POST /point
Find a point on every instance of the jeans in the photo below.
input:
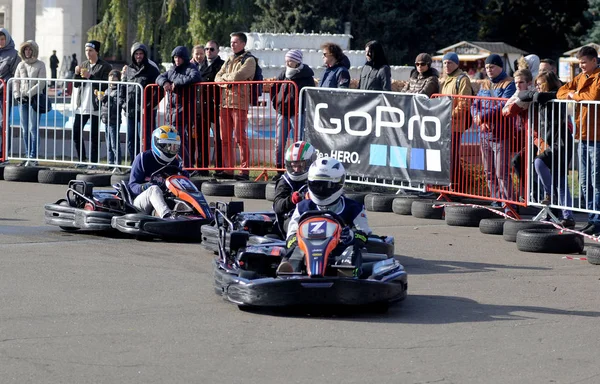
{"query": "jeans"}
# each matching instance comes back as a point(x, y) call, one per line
point(496, 157)
point(29, 129)
point(589, 178)
point(558, 182)
point(284, 126)
point(113, 144)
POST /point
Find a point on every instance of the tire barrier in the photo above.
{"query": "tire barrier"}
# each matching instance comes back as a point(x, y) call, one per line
point(24, 174)
point(116, 179)
point(550, 240)
point(98, 179)
point(466, 216)
point(423, 209)
point(270, 191)
point(216, 188)
point(250, 189)
point(493, 226)
point(377, 202)
point(56, 176)
point(403, 205)
point(512, 227)
point(593, 254)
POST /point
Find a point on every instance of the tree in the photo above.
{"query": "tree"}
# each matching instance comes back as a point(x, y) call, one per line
point(593, 17)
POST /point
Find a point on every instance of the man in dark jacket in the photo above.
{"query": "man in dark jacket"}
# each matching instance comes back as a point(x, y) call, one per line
point(53, 65)
point(9, 58)
point(141, 71)
point(336, 74)
point(87, 107)
point(178, 83)
point(208, 104)
point(283, 97)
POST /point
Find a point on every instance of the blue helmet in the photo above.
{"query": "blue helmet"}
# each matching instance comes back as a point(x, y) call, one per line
point(165, 143)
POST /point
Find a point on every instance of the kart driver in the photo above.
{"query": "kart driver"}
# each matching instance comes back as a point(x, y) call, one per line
point(291, 187)
point(147, 192)
point(326, 177)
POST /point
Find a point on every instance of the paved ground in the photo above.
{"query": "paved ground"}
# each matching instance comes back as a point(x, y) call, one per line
point(77, 308)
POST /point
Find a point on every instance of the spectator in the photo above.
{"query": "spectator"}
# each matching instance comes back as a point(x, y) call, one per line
point(376, 73)
point(199, 60)
point(144, 72)
point(178, 83)
point(283, 97)
point(209, 112)
point(9, 59)
point(72, 66)
point(198, 57)
point(548, 65)
point(530, 62)
point(240, 66)
point(336, 73)
point(53, 65)
point(424, 79)
point(494, 130)
point(92, 69)
point(558, 141)
point(457, 83)
point(585, 87)
point(24, 91)
point(110, 113)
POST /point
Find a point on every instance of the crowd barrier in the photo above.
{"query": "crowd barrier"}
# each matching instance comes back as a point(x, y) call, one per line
point(3, 121)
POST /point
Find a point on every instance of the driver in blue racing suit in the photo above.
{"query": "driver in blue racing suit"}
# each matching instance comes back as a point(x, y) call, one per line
point(146, 191)
point(326, 178)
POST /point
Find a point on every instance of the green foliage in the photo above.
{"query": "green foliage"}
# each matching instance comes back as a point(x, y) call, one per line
point(593, 16)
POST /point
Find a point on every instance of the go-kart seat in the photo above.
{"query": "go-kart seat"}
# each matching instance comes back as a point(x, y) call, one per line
point(126, 192)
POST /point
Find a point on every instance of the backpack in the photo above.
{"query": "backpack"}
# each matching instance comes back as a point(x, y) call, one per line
point(458, 80)
point(465, 120)
point(256, 90)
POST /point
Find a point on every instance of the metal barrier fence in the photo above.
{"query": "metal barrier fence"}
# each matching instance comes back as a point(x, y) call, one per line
point(224, 127)
point(488, 152)
point(3, 121)
point(97, 124)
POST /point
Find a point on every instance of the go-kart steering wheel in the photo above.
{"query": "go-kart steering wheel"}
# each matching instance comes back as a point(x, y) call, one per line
point(329, 214)
point(159, 176)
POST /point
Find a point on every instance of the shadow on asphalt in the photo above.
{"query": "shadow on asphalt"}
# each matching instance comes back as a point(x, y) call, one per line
point(418, 266)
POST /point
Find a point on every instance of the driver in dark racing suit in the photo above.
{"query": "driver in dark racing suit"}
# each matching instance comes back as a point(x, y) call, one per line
point(326, 178)
point(147, 192)
point(291, 187)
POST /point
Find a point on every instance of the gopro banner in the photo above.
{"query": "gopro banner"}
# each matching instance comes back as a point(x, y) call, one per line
point(381, 135)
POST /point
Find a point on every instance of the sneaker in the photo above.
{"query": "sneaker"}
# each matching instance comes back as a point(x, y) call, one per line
point(568, 222)
point(92, 167)
point(170, 216)
point(242, 177)
point(222, 175)
point(285, 267)
point(547, 200)
point(80, 166)
point(31, 163)
point(496, 204)
point(590, 229)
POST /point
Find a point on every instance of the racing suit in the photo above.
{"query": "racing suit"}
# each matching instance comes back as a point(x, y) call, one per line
point(283, 204)
point(146, 195)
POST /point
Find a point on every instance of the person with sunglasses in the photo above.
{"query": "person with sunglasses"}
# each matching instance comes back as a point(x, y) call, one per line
point(423, 79)
point(336, 73)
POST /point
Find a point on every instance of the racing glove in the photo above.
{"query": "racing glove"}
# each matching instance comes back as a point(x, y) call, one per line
point(292, 242)
point(360, 239)
point(146, 186)
point(296, 197)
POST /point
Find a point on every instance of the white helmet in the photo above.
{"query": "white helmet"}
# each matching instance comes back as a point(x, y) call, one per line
point(300, 154)
point(326, 178)
point(165, 143)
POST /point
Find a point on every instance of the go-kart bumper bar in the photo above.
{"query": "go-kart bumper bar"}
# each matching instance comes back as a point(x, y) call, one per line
point(71, 217)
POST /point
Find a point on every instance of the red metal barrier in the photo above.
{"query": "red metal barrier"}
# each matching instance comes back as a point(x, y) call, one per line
point(224, 128)
point(484, 145)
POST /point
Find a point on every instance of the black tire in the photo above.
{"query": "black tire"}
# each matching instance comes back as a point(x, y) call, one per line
point(494, 226)
point(54, 176)
point(116, 178)
point(380, 247)
point(549, 240)
point(403, 205)
point(475, 201)
point(512, 227)
point(423, 209)
point(249, 189)
point(23, 174)
point(359, 197)
point(98, 179)
point(378, 202)
point(2, 172)
point(175, 229)
point(270, 191)
point(465, 216)
point(199, 180)
point(215, 188)
point(593, 254)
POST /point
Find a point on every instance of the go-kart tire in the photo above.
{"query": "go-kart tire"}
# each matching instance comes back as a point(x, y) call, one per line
point(199, 180)
point(359, 197)
point(98, 179)
point(380, 247)
point(23, 174)
point(493, 226)
point(215, 188)
point(512, 227)
point(55, 176)
point(549, 240)
point(175, 229)
point(403, 205)
point(423, 209)
point(475, 201)
point(249, 189)
point(593, 254)
point(379, 202)
point(465, 216)
point(116, 178)
point(270, 191)
point(2, 172)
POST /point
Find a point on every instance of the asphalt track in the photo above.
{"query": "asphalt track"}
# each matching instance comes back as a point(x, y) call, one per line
point(81, 308)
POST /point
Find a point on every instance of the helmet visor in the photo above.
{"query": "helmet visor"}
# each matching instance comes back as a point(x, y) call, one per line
point(323, 189)
point(297, 167)
point(168, 147)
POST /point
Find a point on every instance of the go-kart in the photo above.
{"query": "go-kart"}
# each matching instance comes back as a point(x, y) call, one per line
point(181, 195)
point(84, 208)
point(327, 270)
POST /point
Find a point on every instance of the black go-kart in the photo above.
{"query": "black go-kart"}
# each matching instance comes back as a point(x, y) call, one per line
point(327, 272)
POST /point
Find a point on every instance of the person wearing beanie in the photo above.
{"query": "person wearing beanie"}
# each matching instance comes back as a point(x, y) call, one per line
point(111, 103)
point(86, 103)
point(376, 74)
point(283, 98)
point(496, 133)
point(423, 79)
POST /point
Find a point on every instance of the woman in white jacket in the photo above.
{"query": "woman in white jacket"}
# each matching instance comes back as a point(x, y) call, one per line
point(25, 91)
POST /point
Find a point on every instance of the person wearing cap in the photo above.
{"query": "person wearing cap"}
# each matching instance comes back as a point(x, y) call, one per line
point(336, 73)
point(87, 74)
point(111, 103)
point(423, 79)
point(457, 83)
point(53, 65)
point(376, 74)
point(283, 98)
point(495, 131)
